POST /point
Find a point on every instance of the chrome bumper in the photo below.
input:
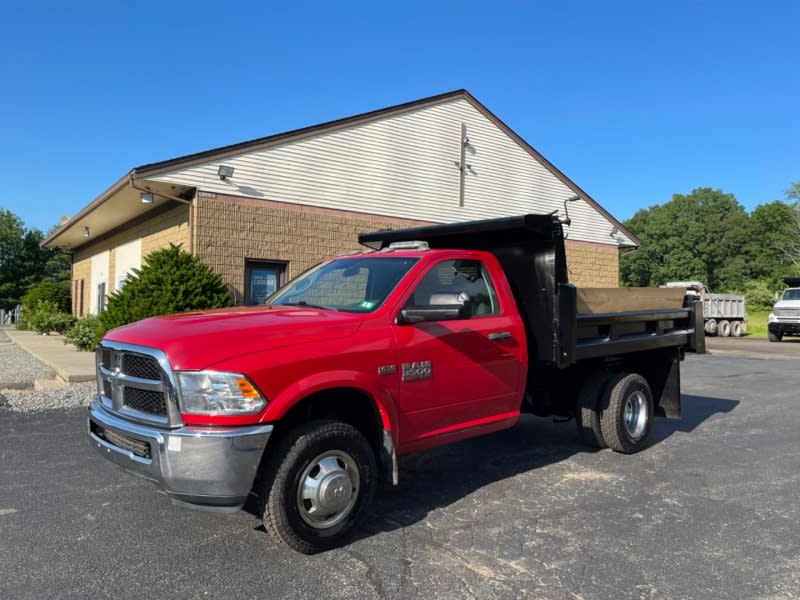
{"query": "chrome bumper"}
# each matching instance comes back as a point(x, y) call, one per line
point(205, 467)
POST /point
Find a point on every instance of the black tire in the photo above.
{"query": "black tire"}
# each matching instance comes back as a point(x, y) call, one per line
point(587, 411)
point(736, 329)
point(774, 337)
point(626, 413)
point(339, 460)
point(724, 328)
point(711, 327)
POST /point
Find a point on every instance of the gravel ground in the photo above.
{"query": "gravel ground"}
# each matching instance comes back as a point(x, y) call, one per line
point(18, 369)
point(33, 401)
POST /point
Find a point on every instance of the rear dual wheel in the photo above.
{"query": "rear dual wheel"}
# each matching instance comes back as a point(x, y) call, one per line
point(615, 411)
point(737, 329)
point(627, 413)
point(724, 328)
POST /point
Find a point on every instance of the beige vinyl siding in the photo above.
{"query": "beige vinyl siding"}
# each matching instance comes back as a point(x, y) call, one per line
point(403, 165)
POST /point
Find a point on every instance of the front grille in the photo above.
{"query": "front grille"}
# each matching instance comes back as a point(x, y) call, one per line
point(145, 401)
point(131, 377)
point(138, 447)
point(787, 312)
point(144, 367)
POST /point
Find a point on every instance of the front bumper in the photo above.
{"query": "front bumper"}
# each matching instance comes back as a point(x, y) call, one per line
point(203, 466)
point(784, 327)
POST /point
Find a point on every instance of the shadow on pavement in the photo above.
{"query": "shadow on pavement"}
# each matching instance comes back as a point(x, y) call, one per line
point(439, 477)
point(696, 410)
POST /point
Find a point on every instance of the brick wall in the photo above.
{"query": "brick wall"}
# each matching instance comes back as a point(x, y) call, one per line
point(592, 265)
point(230, 229)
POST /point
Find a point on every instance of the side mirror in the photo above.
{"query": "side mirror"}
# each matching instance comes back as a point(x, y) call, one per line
point(433, 312)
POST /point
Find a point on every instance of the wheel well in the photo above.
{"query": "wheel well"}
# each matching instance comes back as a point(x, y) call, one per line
point(348, 405)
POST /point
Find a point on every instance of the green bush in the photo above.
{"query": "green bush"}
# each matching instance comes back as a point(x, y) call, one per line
point(759, 295)
point(171, 281)
point(56, 296)
point(44, 317)
point(85, 333)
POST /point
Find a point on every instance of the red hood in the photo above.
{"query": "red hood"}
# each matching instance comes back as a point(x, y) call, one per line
point(197, 340)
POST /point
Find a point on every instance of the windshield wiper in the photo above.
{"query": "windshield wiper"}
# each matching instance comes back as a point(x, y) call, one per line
point(307, 305)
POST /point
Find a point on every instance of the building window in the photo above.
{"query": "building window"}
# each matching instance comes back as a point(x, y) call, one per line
point(101, 297)
point(261, 279)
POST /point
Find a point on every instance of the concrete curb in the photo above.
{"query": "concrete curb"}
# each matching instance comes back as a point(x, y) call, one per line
point(69, 364)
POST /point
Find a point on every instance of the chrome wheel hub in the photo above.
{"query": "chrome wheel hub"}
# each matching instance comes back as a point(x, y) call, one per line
point(328, 489)
point(636, 415)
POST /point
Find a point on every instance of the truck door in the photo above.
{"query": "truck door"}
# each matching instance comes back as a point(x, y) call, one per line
point(463, 373)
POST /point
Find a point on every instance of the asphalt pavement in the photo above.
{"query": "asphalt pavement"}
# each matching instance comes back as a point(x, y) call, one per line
point(708, 510)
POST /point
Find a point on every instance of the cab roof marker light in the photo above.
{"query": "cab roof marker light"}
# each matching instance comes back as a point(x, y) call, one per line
point(410, 245)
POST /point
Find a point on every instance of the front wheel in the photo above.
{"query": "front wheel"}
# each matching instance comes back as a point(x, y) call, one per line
point(626, 415)
point(774, 337)
point(317, 486)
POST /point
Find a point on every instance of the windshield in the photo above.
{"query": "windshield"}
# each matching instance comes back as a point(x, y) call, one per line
point(350, 285)
point(793, 294)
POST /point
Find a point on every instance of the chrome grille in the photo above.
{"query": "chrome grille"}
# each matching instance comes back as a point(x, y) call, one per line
point(787, 312)
point(145, 401)
point(132, 382)
point(144, 367)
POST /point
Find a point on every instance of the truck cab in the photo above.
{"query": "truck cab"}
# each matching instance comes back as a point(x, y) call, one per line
point(785, 316)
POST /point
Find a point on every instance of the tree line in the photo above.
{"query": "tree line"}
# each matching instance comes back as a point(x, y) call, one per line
point(23, 263)
point(709, 236)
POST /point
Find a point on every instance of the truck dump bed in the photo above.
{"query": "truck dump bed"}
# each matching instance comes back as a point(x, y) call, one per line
point(564, 324)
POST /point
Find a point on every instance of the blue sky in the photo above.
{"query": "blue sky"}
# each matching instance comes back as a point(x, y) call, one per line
point(633, 100)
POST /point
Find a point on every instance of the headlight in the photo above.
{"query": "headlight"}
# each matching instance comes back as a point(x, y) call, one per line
point(772, 318)
point(215, 393)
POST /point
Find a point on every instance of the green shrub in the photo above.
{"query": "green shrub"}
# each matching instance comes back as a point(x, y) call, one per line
point(171, 281)
point(759, 295)
point(52, 291)
point(44, 317)
point(55, 295)
point(85, 333)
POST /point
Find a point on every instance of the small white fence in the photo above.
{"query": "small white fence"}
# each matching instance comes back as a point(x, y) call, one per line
point(10, 317)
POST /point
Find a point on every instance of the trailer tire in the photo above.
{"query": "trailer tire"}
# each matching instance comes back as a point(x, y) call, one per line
point(774, 337)
point(587, 415)
point(736, 328)
point(724, 328)
point(626, 415)
point(317, 485)
point(711, 327)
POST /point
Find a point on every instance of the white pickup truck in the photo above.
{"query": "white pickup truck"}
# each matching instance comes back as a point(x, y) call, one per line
point(785, 317)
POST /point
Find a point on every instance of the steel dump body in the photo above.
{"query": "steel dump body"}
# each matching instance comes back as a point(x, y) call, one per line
point(565, 324)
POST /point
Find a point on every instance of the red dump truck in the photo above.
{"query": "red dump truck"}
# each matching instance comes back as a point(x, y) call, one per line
point(431, 335)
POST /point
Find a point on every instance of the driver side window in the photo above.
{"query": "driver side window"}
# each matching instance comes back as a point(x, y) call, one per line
point(457, 282)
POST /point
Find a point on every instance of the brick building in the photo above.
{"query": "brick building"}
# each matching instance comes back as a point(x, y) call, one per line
point(262, 211)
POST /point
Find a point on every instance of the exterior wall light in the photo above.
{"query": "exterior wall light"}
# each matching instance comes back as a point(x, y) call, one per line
point(85, 232)
point(146, 197)
point(225, 172)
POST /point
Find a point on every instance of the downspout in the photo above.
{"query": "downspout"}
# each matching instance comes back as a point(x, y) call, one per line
point(176, 199)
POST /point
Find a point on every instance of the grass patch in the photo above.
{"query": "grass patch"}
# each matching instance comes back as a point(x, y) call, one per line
point(757, 323)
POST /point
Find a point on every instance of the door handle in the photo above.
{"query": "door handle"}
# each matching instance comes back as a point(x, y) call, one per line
point(500, 335)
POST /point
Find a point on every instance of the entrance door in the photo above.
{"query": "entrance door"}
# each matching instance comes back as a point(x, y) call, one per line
point(262, 279)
